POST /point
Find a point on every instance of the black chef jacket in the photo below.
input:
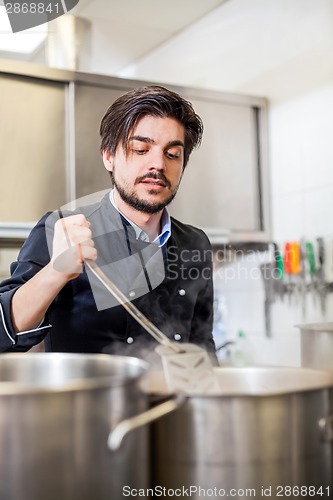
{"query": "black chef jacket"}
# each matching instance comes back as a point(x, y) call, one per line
point(178, 300)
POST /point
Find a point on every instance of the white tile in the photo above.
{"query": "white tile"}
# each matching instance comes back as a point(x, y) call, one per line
point(283, 351)
point(243, 308)
point(288, 222)
point(286, 166)
point(285, 315)
point(318, 212)
point(317, 157)
point(301, 147)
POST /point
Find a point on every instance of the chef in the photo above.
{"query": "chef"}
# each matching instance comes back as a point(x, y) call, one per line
point(161, 264)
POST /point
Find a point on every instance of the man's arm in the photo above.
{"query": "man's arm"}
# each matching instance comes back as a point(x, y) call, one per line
point(31, 300)
point(72, 244)
point(28, 294)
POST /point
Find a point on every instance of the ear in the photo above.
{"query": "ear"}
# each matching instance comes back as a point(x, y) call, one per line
point(107, 160)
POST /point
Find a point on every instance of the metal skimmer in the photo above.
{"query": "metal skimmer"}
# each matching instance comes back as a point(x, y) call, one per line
point(187, 367)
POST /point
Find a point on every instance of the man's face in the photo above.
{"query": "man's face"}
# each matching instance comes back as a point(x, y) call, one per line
point(147, 176)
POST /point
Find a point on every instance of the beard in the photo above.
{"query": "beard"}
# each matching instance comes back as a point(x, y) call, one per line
point(131, 198)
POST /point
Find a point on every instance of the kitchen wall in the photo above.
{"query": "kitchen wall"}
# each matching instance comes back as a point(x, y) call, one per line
point(301, 162)
point(283, 51)
point(301, 159)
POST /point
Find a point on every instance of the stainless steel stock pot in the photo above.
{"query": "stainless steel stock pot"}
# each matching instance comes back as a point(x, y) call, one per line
point(266, 428)
point(56, 413)
point(317, 345)
point(269, 428)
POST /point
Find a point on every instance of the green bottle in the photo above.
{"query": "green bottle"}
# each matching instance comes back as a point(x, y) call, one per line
point(241, 354)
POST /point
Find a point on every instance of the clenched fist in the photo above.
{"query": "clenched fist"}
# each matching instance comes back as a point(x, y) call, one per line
point(72, 244)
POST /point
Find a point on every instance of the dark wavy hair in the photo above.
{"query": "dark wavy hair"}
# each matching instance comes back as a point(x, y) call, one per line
point(124, 113)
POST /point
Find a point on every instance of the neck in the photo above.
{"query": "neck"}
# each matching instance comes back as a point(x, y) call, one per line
point(150, 223)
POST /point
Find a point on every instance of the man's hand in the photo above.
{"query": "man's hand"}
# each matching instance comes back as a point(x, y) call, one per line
point(72, 244)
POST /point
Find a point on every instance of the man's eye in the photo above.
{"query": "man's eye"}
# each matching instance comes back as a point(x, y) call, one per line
point(172, 156)
point(140, 151)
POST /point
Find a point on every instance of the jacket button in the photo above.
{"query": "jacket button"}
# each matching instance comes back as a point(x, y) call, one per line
point(177, 336)
point(132, 293)
point(130, 340)
point(181, 292)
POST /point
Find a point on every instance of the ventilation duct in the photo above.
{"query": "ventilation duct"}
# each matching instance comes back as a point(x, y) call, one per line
point(69, 43)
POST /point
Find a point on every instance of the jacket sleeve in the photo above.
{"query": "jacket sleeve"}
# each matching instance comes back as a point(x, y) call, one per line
point(33, 256)
point(202, 322)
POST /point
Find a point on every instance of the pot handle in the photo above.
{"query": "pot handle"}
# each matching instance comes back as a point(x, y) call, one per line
point(325, 425)
point(117, 435)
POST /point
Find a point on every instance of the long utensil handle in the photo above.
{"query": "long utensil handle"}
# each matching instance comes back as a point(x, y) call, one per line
point(122, 299)
point(131, 308)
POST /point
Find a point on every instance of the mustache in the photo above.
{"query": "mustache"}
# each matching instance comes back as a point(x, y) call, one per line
point(154, 175)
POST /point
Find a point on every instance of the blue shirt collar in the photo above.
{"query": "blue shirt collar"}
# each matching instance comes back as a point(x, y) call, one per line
point(140, 234)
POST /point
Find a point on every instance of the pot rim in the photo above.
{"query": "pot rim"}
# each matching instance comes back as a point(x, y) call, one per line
point(13, 388)
point(317, 327)
point(316, 380)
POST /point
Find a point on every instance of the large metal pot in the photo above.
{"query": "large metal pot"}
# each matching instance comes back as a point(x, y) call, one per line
point(270, 430)
point(56, 412)
point(317, 345)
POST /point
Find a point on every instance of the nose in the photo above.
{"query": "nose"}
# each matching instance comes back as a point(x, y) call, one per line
point(157, 161)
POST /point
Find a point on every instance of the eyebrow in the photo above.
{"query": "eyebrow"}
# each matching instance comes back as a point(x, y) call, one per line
point(148, 140)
